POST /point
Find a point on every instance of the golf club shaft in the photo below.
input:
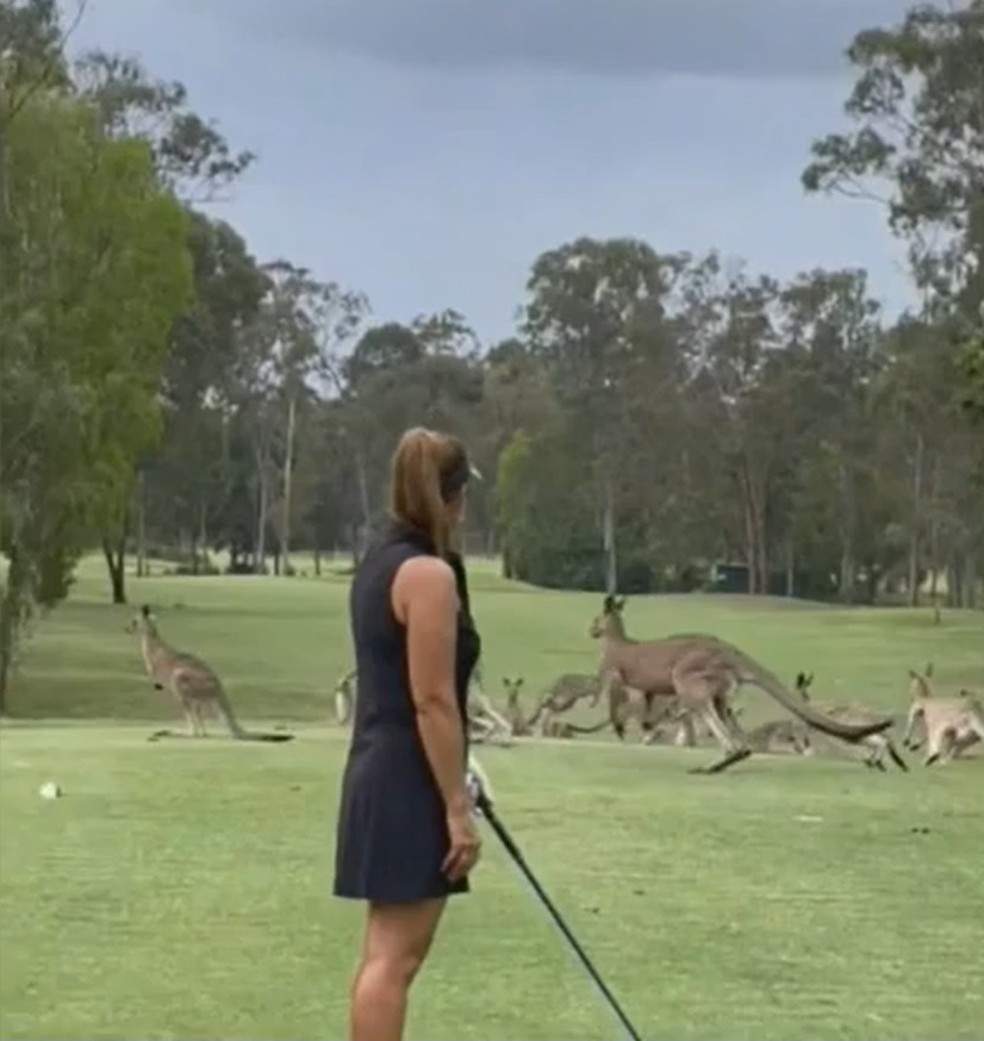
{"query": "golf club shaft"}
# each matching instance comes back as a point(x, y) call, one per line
point(514, 852)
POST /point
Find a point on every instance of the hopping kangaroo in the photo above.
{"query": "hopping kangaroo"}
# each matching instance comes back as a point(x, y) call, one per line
point(703, 671)
point(952, 724)
point(878, 745)
point(190, 680)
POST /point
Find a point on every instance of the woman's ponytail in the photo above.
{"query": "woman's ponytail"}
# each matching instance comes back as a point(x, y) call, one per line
point(423, 465)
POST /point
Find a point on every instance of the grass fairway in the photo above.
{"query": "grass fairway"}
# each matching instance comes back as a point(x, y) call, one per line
point(181, 889)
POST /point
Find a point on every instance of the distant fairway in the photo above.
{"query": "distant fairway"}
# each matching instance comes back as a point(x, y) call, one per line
point(180, 890)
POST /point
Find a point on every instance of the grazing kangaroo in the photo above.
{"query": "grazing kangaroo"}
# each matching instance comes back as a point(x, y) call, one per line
point(781, 736)
point(878, 745)
point(703, 671)
point(952, 724)
point(190, 680)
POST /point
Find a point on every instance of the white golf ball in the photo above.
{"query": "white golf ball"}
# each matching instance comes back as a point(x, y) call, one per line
point(49, 790)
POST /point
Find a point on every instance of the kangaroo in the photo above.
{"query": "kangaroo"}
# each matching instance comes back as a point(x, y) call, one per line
point(346, 691)
point(484, 722)
point(920, 688)
point(519, 725)
point(549, 726)
point(562, 695)
point(190, 680)
point(878, 745)
point(952, 724)
point(703, 672)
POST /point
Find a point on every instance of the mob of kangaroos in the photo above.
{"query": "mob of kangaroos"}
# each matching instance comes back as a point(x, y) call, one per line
point(192, 682)
point(703, 672)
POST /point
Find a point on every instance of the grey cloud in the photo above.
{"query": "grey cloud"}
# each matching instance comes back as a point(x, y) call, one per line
point(745, 38)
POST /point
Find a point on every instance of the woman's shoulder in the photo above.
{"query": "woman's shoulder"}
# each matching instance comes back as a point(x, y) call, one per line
point(426, 574)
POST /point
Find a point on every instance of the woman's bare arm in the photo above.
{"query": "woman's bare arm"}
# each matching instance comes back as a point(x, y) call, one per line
point(425, 599)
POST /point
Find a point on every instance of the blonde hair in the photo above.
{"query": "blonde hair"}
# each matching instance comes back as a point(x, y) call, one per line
point(427, 470)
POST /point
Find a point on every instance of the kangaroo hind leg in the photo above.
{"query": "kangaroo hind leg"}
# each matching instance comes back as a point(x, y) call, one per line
point(702, 692)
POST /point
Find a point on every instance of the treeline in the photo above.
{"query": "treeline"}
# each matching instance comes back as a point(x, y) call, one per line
point(165, 393)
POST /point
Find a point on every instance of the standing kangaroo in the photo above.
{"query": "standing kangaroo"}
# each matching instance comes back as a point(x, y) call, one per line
point(346, 691)
point(703, 672)
point(952, 724)
point(190, 680)
point(878, 745)
point(484, 722)
point(519, 725)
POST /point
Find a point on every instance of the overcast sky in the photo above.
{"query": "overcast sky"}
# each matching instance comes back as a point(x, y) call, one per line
point(425, 151)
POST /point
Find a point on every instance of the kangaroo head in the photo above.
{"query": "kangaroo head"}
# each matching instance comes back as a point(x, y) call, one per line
point(143, 621)
point(610, 619)
point(512, 688)
point(919, 683)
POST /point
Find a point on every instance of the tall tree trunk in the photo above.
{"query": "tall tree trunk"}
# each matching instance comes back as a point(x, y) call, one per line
point(970, 579)
point(608, 537)
point(362, 540)
point(761, 543)
point(141, 525)
point(288, 475)
point(317, 555)
point(848, 564)
point(917, 483)
point(790, 569)
point(751, 529)
point(114, 550)
point(10, 613)
point(260, 553)
point(934, 535)
point(203, 534)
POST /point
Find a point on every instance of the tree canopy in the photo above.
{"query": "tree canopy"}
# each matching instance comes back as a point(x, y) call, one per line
point(659, 420)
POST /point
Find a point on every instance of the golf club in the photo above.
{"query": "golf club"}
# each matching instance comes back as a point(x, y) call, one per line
point(483, 803)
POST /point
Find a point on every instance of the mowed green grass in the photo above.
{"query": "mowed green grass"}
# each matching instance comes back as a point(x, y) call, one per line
point(182, 889)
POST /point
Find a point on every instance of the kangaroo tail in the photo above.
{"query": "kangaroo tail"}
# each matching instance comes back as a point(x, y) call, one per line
point(894, 754)
point(759, 676)
point(225, 711)
point(235, 730)
point(592, 729)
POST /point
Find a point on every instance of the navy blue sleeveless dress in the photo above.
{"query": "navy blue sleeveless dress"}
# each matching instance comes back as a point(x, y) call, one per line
point(392, 832)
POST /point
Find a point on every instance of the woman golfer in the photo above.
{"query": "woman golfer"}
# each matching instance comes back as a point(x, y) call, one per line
point(406, 836)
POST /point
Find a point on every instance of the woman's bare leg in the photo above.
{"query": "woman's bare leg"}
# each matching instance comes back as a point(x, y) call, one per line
point(397, 939)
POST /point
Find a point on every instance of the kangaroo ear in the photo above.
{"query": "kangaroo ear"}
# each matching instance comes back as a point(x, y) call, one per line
point(145, 610)
point(800, 679)
point(609, 603)
point(519, 681)
point(809, 680)
point(929, 669)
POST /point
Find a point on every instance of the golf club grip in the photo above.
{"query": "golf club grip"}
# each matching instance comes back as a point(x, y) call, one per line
point(513, 850)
